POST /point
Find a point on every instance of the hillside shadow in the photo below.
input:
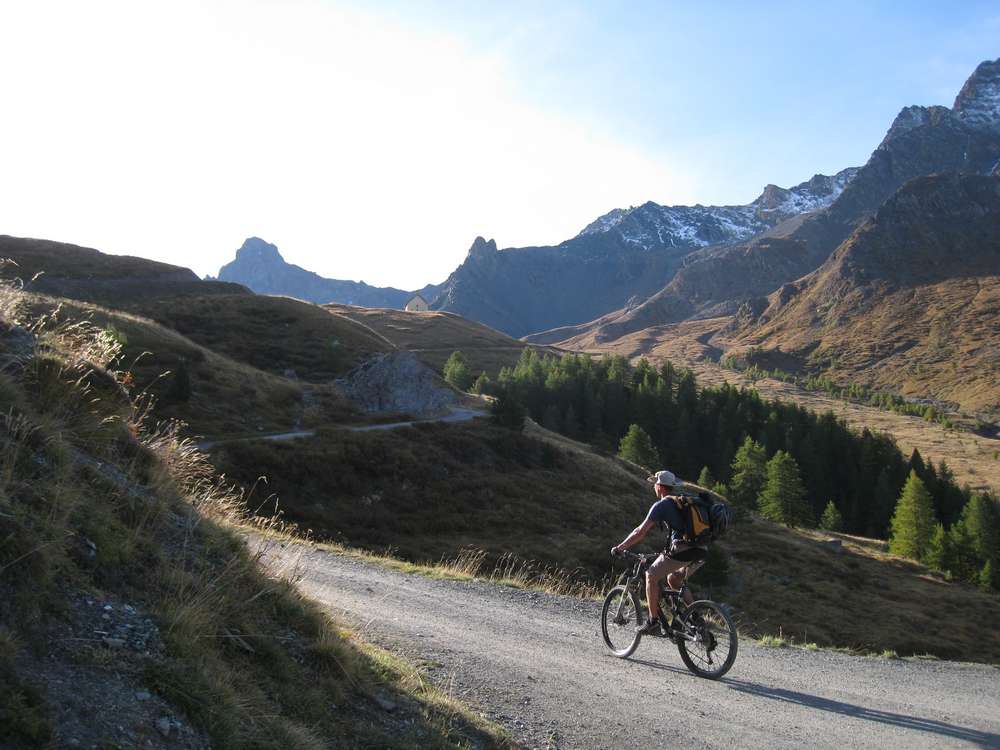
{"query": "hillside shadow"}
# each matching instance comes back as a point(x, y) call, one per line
point(932, 726)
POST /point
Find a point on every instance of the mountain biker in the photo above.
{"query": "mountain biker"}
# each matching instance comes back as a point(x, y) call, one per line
point(671, 563)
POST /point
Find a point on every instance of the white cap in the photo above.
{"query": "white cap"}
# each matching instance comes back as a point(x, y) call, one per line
point(663, 477)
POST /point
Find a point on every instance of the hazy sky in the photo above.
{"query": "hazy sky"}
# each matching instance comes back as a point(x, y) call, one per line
point(375, 140)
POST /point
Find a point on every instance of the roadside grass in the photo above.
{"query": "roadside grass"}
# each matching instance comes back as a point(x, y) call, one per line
point(466, 499)
point(94, 499)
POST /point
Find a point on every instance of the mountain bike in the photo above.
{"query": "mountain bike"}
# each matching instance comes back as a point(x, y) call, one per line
point(704, 633)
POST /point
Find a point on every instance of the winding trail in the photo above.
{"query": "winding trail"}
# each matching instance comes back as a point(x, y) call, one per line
point(537, 664)
point(455, 414)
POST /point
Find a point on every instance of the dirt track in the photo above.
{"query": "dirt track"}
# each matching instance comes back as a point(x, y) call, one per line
point(537, 664)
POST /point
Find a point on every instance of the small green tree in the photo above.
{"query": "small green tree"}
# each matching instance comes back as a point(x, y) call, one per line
point(831, 519)
point(912, 524)
point(939, 553)
point(456, 371)
point(980, 519)
point(749, 473)
point(571, 425)
point(637, 447)
point(705, 479)
point(552, 419)
point(482, 384)
point(507, 411)
point(783, 498)
point(965, 561)
point(180, 386)
point(989, 577)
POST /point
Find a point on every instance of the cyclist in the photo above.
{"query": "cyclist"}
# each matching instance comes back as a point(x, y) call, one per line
point(666, 512)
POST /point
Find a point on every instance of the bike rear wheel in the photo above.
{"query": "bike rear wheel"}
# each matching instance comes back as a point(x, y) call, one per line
point(619, 619)
point(711, 649)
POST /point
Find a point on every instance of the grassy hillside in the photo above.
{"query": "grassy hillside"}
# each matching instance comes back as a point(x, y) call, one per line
point(82, 273)
point(226, 397)
point(273, 334)
point(427, 492)
point(433, 336)
point(132, 615)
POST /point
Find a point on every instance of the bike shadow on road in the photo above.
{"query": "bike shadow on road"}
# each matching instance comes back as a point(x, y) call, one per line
point(904, 721)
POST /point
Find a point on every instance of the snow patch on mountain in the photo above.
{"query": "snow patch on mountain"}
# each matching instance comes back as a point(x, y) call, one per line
point(652, 226)
point(978, 103)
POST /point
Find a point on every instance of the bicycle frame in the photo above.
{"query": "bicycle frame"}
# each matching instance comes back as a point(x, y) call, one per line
point(632, 577)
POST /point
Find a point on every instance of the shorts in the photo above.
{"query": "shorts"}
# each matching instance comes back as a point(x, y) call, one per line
point(668, 561)
point(691, 554)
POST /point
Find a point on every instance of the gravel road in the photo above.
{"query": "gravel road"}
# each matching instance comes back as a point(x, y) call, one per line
point(537, 664)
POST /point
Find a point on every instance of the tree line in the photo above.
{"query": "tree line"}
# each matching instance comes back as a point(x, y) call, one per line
point(792, 464)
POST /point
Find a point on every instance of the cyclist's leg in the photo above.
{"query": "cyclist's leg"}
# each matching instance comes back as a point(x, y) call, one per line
point(684, 556)
point(662, 568)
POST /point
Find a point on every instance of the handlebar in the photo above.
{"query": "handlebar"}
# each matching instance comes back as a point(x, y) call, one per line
point(626, 554)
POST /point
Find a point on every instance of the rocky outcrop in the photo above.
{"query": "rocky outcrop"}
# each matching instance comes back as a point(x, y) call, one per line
point(397, 382)
point(259, 266)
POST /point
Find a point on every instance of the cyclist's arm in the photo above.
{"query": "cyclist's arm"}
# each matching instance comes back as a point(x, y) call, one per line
point(638, 532)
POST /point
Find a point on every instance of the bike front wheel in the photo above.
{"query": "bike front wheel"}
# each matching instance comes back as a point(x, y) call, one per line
point(619, 619)
point(709, 641)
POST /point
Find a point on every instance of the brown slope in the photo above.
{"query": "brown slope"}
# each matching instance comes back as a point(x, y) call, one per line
point(434, 335)
point(922, 140)
point(910, 302)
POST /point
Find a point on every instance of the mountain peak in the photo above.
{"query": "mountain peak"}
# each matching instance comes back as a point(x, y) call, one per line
point(978, 103)
point(254, 248)
point(482, 248)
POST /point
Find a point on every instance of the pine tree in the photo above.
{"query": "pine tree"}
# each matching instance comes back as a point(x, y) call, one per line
point(456, 371)
point(783, 498)
point(965, 562)
point(705, 479)
point(939, 553)
point(507, 411)
point(749, 472)
point(552, 420)
point(913, 522)
point(482, 384)
point(989, 577)
point(180, 386)
point(831, 519)
point(571, 425)
point(980, 519)
point(638, 448)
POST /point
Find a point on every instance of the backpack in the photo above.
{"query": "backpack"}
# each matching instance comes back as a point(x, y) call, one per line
point(706, 519)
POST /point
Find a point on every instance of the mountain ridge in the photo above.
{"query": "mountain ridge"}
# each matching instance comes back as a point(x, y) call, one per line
point(920, 141)
point(259, 266)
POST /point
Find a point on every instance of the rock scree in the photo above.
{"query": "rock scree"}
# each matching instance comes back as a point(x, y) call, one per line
point(397, 382)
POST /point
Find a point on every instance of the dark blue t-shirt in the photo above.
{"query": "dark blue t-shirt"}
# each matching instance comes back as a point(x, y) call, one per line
point(666, 512)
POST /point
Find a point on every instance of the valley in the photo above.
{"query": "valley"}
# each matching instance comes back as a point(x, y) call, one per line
point(296, 511)
point(973, 458)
